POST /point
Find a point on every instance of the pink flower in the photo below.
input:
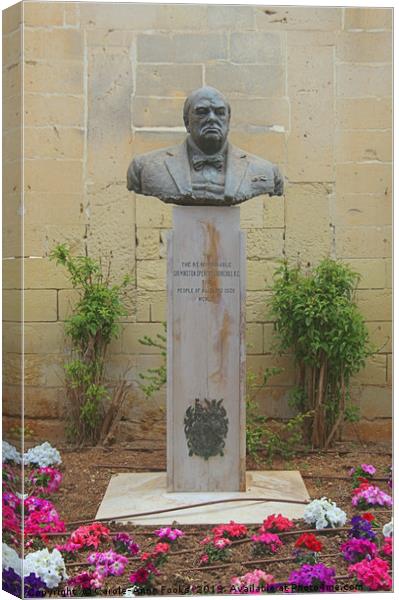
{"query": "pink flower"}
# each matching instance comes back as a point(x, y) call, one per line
point(222, 543)
point(269, 541)
point(371, 495)
point(204, 559)
point(372, 573)
point(168, 533)
point(276, 523)
point(387, 547)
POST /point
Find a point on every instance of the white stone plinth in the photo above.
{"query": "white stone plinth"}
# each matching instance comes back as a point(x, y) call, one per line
point(206, 345)
point(130, 493)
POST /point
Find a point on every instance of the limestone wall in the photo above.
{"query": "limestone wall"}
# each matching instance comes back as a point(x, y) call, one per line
point(310, 89)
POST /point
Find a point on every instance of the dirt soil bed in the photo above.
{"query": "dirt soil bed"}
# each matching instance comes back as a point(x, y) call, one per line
point(88, 471)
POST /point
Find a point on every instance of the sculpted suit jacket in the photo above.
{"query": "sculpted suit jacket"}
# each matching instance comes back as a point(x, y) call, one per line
point(166, 174)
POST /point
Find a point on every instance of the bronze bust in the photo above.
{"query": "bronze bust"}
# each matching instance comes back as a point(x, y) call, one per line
point(205, 169)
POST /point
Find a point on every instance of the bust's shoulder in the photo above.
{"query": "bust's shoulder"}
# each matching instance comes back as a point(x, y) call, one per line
point(157, 156)
point(256, 163)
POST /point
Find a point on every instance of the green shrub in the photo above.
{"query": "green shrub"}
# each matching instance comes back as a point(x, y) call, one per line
point(92, 326)
point(317, 320)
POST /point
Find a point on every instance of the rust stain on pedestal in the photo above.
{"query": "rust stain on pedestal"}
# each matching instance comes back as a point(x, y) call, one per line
point(212, 258)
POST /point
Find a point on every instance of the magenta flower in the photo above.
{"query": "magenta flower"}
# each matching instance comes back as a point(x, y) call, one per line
point(371, 496)
point(167, 533)
point(355, 550)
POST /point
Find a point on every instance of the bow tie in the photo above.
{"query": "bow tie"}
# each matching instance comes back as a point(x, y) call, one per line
point(217, 161)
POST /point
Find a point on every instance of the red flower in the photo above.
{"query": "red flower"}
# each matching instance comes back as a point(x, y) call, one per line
point(161, 548)
point(368, 517)
point(309, 541)
point(145, 556)
point(362, 486)
point(276, 523)
point(231, 530)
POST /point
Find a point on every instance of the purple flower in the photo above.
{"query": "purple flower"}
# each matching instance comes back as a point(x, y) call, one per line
point(361, 528)
point(318, 576)
point(369, 469)
point(356, 549)
point(167, 533)
point(126, 544)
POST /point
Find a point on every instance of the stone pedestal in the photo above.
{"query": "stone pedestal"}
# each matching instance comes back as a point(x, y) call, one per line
point(206, 351)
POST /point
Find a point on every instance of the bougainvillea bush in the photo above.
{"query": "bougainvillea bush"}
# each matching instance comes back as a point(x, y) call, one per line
point(90, 556)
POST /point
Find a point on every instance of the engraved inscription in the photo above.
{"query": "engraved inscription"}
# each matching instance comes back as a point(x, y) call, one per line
point(195, 278)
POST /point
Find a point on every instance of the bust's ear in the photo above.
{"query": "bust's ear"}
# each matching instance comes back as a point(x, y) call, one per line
point(186, 124)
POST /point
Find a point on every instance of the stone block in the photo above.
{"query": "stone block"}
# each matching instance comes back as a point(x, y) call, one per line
point(260, 274)
point(142, 17)
point(251, 213)
point(44, 403)
point(53, 44)
point(257, 47)
point(44, 14)
point(11, 18)
point(358, 80)
point(151, 212)
point(43, 208)
point(273, 402)
point(360, 178)
point(12, 274)
point(52, 430)
point(49, 175)
point(380, 336)
point(389, 369)
point(265, 243)
point(146, 141)
point(146, 112)
point(371, 271)
point(309, 240)
point(364, 46)
point(133, 332)
point(40, 305)
point(363, 209)
point(12, 176)
point(151, 306)
point(109, 141)
point(258, 365)
point(270, 340)
point(357, 242)
point(62, 77)
point(375, 305)
point(374, 373)
point(376, 430)
point(388, 273)
point(254, 338)
point(12, 141)
point(311, 38)
point(257, 310)
point(167, 80)
point(270, 145)
point(12, 305)
point(64, 111)
point(66, 302)
point(53, 142)
point(12, 81)
point(12, 44)
point(246, 80)
point(358, 146)
point(364, 113)
point(45, 338)
point(227, 17)
point(147, 243)
point(181, 48)
point(263, 112)
point(12, 337)
point(297, 18)
point(72, 14)
point(12, 113)
point(368, 18)
point(375, 402)
point(273, 211)
point(151, 275)
point(12, 401)
point(110, 37)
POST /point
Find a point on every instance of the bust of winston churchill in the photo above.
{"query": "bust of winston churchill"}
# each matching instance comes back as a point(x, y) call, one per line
point(205, 169)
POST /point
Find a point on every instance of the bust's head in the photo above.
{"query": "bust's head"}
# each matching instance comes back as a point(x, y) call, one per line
point(206, 116)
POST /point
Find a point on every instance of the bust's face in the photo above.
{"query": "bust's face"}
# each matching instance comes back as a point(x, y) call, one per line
point(208, 121)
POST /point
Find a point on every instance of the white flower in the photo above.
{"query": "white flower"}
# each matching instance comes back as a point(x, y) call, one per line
point(129, 592)
point(10, 559)
point(49, 566)
point(387, 530)
point(9, 452)
point(43, 456)
point(324, 513)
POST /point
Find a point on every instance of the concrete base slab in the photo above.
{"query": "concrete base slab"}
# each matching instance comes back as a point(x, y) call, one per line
point(130, 493)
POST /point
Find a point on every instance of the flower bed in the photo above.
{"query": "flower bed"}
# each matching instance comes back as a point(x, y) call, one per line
point(330, 546)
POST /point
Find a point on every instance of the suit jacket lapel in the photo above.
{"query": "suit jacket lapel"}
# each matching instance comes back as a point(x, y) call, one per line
point(236, 168)
point(179, 169)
